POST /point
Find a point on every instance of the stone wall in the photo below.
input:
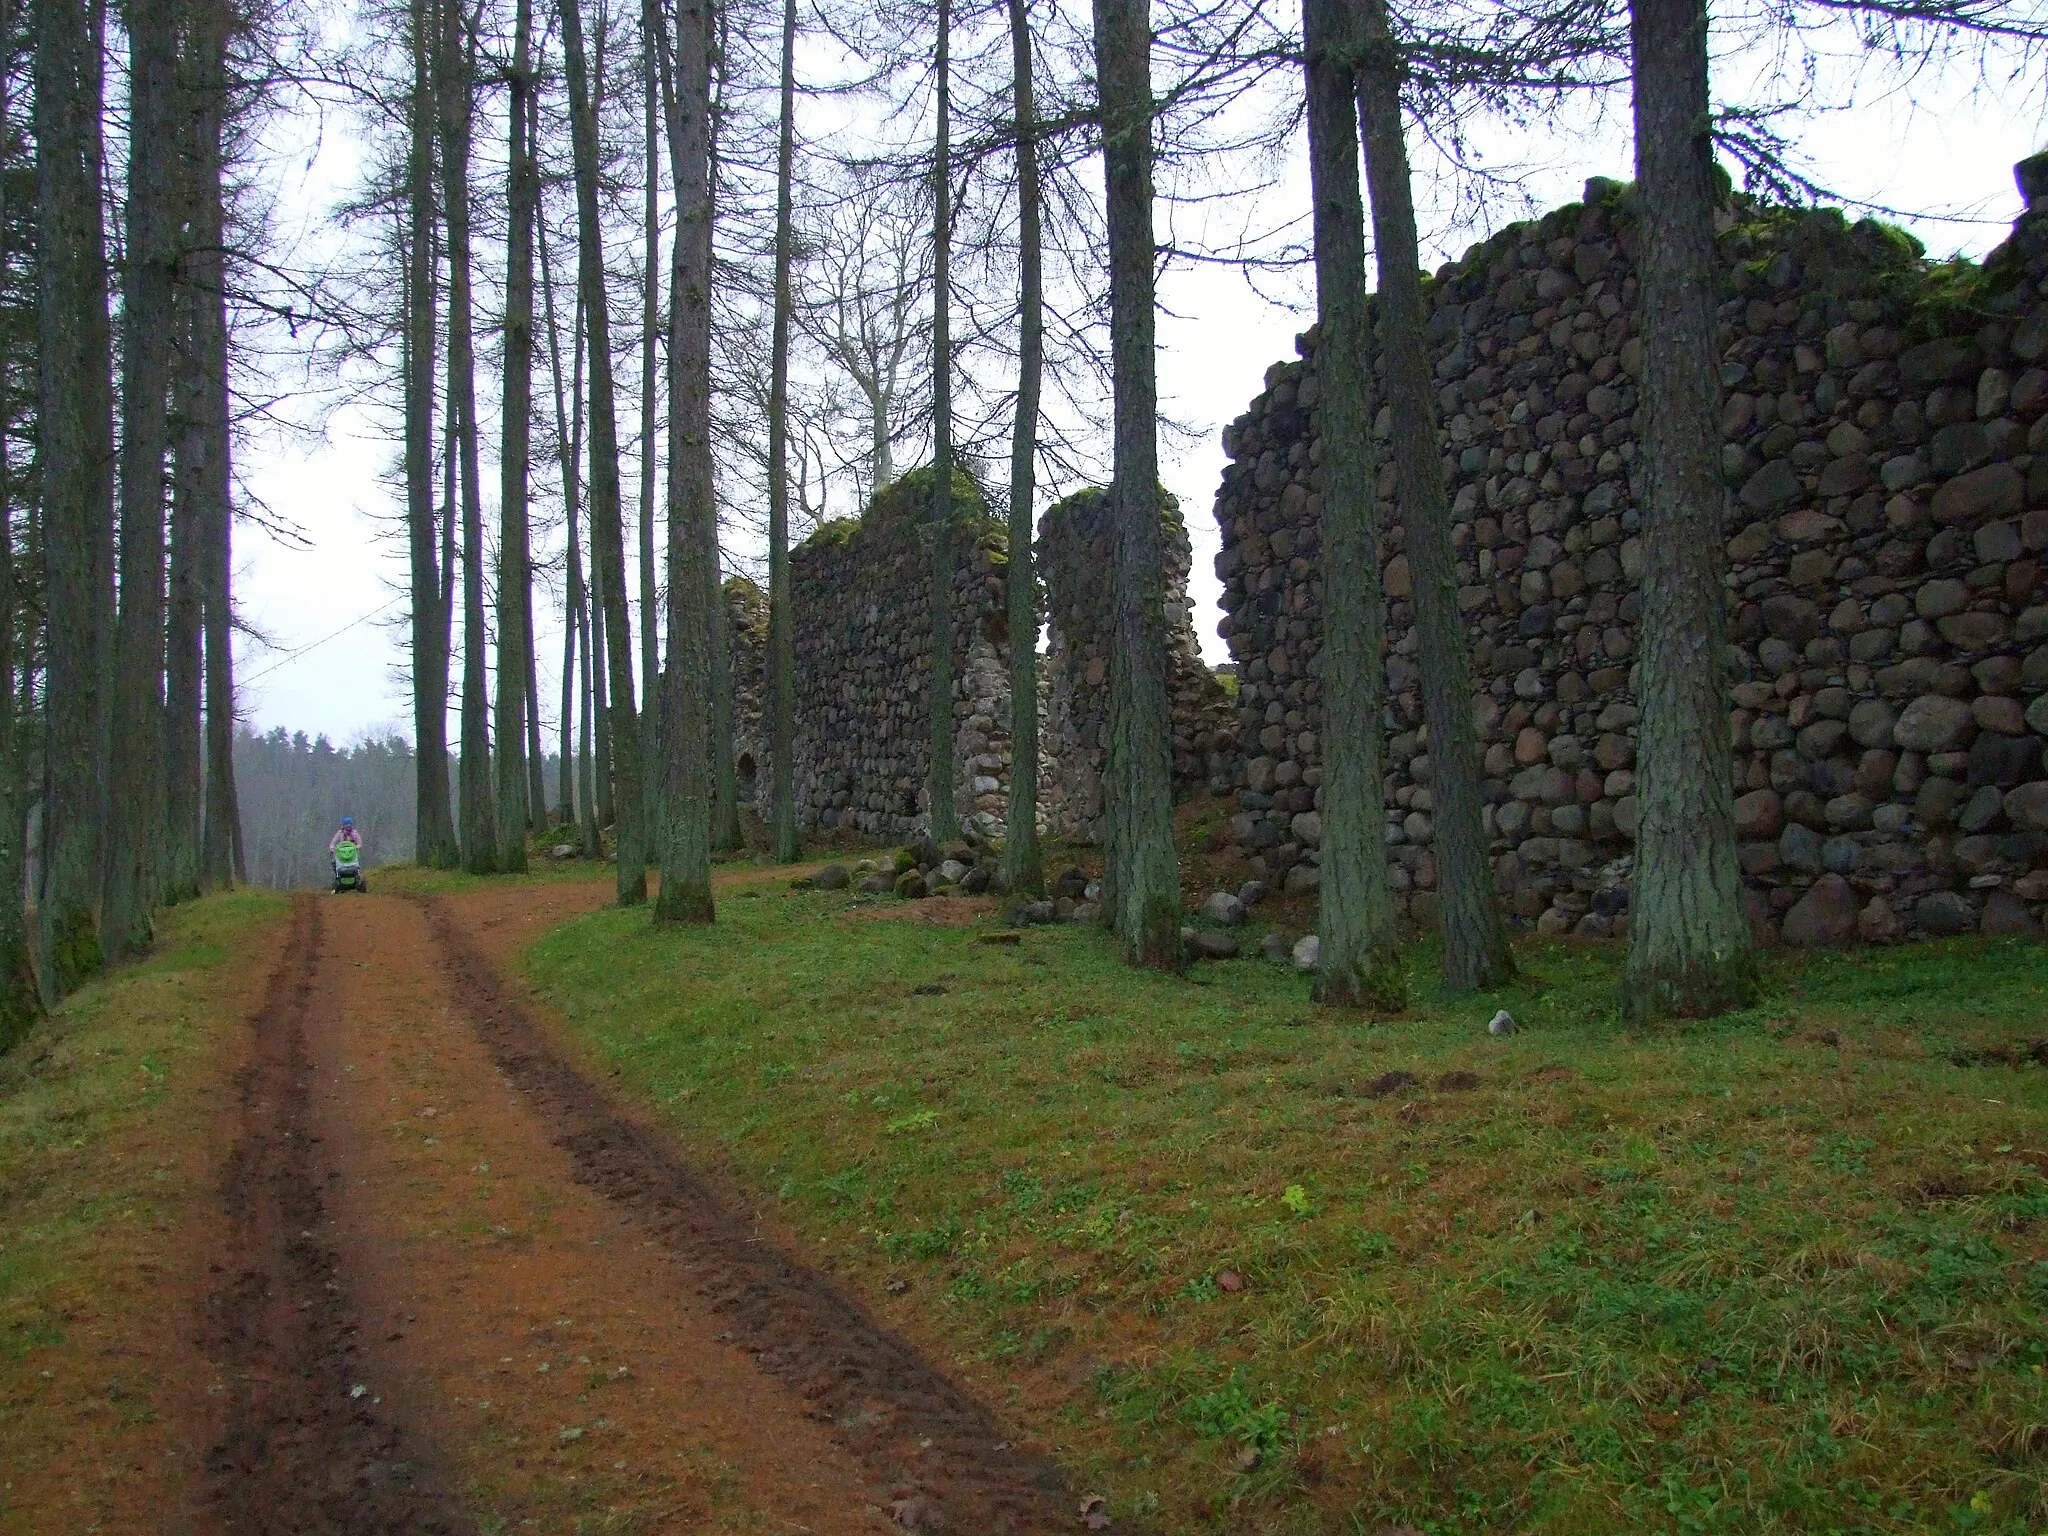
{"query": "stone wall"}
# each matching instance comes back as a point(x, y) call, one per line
point(863, 642)
point(746, 617)
point(1073, 562)
point(1886, 426)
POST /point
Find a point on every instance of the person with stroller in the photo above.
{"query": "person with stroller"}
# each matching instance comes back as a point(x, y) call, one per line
point(345, 855)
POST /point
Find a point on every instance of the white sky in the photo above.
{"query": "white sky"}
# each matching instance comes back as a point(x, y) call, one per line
point(1953, 156)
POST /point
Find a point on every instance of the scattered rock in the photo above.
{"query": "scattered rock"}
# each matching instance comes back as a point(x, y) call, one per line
point(1274, 946)
point(1229, 1280)
point(1208, 944)
point(1224, 909)
point(1502, 1023)
point(833, 877)
point(1308, 952)
point(1252, 892)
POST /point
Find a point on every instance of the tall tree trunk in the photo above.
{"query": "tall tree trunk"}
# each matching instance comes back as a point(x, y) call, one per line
point(688, 692)
point(458, 105)
point(1361, 963)
point(74, 418)
point(183, 666)
point(1147, 879)
point(726, 834)
point(1476, 950)
point(567, 449)
point(20, 1001)
point(606, 800)
point(434, 844)
point(135, 804)
point(940, 786)
point(522, 195)
point(1022, 861)
point(1689, 946)
point(220, 840)
point(650, 322)
point(608, 550)
point(782, 833)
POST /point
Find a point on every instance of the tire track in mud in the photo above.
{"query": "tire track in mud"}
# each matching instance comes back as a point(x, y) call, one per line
point(300, 1448)
point(940, 1459)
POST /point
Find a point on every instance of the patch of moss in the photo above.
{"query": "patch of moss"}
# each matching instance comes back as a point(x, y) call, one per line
point(834, 530)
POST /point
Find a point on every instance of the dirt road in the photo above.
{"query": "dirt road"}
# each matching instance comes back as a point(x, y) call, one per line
point(461, 1289)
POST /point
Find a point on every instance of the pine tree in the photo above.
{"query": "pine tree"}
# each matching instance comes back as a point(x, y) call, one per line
point(607, 535)
point(515, 619)
point(1023, 864)
point(1689, 946)
point(1360, 964)
point(1145, 879)
point(1476, 950)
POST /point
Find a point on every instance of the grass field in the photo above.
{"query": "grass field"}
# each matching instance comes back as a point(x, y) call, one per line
point(103, 1116)
point(1256, 1266)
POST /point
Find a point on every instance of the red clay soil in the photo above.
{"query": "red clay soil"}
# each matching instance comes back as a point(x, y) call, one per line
point(464, 1289)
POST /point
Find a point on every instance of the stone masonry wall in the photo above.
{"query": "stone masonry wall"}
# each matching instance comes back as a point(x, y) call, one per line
point(746, 614)
point(863, 640)
point(1886, 426)
point(1073, 561)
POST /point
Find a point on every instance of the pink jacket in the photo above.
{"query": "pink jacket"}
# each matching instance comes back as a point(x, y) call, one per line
point(354, 835)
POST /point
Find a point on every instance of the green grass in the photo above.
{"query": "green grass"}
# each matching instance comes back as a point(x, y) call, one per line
point(1784, 1271)
point(104, 1110)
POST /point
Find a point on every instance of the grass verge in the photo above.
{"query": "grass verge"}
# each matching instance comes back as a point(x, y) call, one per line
point(1254, 1265)
point(104, 1110)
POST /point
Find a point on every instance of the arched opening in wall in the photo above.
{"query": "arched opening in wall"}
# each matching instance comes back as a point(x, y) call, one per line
point(747, 772)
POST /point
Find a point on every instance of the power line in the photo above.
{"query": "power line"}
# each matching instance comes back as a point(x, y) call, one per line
point(291, 656)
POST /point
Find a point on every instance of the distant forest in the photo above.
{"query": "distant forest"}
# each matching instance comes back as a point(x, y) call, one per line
point(294, 791)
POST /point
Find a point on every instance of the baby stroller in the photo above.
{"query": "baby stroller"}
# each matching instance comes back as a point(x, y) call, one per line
point(348, 868)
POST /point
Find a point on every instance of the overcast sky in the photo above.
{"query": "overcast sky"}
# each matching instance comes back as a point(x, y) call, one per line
point(329, 659)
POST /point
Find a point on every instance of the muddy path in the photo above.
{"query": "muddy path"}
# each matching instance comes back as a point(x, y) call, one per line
point(458, 1287)
point(932, 1456)
point(301, 1446)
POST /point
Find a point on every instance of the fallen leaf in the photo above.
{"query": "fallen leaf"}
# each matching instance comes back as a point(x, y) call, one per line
point(1229, 1280)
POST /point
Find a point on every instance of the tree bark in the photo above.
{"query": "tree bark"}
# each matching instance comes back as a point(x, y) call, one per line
point(1023, 863)
point(726, 834)
point(607, 534)
point(457, 102)
point(522, 195)
point(434, 844)
point(220, 841)
point(20, 1000)
point(940, 787)
point(184, 667)
point(650, 322)
point(1361, 965)
point(1476, 952)
point(688, 694)
point(568, 447)
point(1689, 946)
point(782, 830)
point(74, 419)
point(135, 803)
point(1146, 886)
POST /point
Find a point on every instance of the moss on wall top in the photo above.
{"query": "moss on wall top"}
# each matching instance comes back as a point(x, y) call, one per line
point(906, 503)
